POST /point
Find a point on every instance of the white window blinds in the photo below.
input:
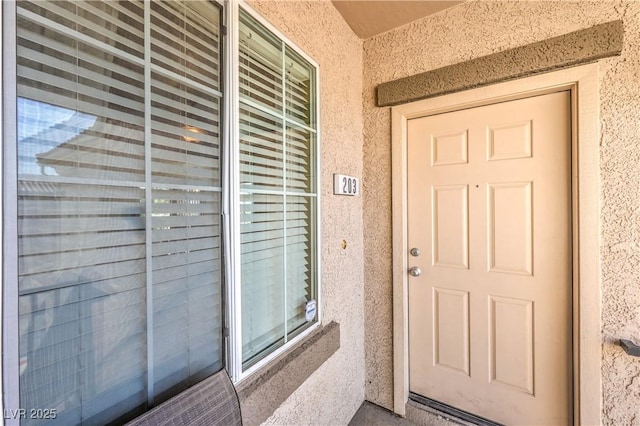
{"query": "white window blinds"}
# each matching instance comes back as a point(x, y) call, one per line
point(118, 203)
point(277, 189)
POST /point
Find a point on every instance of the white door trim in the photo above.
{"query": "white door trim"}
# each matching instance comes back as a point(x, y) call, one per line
point(583, 83)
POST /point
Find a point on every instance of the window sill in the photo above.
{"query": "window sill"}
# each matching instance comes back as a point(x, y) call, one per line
point(263, 392)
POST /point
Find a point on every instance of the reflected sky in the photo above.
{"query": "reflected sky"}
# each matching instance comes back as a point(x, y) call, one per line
point(42, 127)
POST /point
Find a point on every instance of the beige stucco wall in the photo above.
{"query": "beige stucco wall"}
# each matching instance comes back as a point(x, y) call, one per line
point(472, 30)
point(336, 390)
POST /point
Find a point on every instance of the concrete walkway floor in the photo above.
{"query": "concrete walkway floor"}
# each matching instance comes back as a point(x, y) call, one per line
point(372, 415)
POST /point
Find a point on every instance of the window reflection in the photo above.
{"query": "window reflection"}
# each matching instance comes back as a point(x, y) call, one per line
point(104, 161)
point(42, 128)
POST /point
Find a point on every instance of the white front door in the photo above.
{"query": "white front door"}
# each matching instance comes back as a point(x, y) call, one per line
point(489, 210)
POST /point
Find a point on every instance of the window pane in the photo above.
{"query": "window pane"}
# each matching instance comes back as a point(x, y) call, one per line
point(300, 158)
point(301, 253)
point(187, 309)
point(185, 150)
point(185, 40)
point(300, 89)
point(82, 299)
point(260, 64)
point(81, 244)
point(186, 134)
point(262, 239)
point(261, 165)
point(80, 109)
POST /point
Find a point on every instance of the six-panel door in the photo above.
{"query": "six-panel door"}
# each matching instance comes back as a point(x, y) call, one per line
point(490, 209)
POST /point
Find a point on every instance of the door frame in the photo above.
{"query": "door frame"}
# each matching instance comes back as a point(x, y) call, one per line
point(583, 84)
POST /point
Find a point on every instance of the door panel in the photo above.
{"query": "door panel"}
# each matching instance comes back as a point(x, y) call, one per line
point(450, 237)
point(511, 342)
point(510, 228)
point(451, 329)
point(490, 208)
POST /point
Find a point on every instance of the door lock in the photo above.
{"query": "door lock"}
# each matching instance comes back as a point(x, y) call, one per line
point(415, 271)
point(415, 252)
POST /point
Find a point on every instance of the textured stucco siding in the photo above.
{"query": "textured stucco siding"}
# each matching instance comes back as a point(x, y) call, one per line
point(472, 30)
point(335, 391)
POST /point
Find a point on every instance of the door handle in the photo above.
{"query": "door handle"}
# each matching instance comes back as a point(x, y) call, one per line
point(415, 271)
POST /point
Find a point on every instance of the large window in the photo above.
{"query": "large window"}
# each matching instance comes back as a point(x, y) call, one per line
point(142, 228)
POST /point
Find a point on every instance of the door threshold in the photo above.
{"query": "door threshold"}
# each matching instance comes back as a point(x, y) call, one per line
point(451, 413)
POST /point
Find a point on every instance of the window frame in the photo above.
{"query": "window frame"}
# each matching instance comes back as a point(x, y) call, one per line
point(230, 181)
point(232, 111)
point(10, 330)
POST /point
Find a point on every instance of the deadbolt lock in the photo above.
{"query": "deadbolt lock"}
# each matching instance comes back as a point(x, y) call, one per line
point(415, 252)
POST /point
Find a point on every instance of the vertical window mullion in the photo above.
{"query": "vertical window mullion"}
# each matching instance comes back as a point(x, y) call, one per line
point(148, 201)
point(231, 191)
point(284, 187)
